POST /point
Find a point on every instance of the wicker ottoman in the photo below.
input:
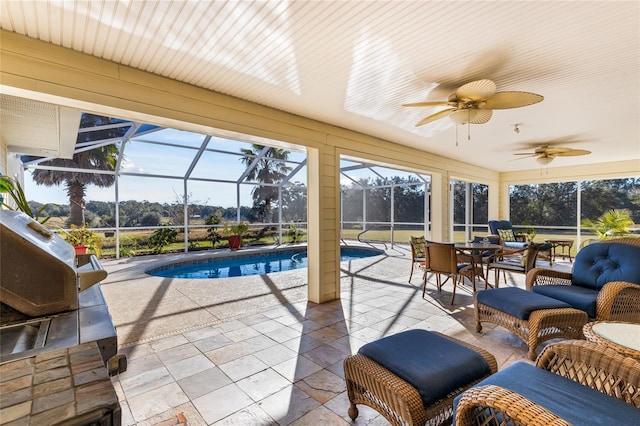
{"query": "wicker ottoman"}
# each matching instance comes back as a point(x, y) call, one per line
point(533, 317)
point(411, 378)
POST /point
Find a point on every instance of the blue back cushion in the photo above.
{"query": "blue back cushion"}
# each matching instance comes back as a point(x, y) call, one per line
point(432, 364)
point(494, 225)
point(569, 400)
point(600, 263)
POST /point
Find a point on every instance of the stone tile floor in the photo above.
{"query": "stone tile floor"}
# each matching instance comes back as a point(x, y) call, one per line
point(275, 361)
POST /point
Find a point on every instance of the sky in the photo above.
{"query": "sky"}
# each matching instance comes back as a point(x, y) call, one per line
point(150, 155)
point(144, 157)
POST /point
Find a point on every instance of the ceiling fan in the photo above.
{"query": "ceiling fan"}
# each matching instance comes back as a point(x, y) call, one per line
point(546, 153)
point(472, 103)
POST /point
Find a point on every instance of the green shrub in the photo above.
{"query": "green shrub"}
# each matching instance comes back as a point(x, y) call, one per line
point(162, 237)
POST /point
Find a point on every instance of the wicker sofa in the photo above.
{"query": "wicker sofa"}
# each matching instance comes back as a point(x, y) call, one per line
point(604, 282)
point(575, 382)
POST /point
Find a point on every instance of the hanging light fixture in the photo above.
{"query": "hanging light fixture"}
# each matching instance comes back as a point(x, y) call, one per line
point(544, 160)
point(463, 116)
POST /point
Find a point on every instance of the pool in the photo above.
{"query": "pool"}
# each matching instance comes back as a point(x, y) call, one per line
point(250, 264)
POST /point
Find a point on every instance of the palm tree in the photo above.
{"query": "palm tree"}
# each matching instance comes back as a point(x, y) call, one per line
point(101, 158)
point(611, 224)
point(271, 168)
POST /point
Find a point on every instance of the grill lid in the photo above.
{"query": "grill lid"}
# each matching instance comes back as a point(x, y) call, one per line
point(37, 273)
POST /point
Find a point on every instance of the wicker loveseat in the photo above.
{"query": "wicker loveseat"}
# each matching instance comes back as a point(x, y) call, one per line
point(604, 282)
point(573, 383)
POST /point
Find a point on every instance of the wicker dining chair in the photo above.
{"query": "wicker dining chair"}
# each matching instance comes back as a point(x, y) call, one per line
point(445, 259)
point(418, 256)
point(520, 262)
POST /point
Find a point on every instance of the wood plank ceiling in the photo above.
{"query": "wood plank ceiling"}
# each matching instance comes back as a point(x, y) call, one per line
point(354, 63)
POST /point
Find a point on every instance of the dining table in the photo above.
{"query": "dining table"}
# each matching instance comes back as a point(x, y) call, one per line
point(476, 250)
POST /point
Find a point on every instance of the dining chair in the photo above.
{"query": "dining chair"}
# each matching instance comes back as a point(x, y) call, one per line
point(418, 256)
point(444, 259)
point(520, 261)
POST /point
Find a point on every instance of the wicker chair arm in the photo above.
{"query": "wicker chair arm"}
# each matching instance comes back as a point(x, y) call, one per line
point(596, 366)
point(522, 238)
point(619, 301)
point(543, 276)
point(463, 257)
point(493, 405)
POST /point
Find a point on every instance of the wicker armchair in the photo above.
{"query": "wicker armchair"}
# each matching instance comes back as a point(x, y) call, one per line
point(586, 363)
point(616, 300)
point(509, 240)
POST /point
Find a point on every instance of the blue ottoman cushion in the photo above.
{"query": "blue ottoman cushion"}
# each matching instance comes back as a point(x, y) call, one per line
point(569, 400)
point(432, 364)
point(517, 302)
point(582, 298)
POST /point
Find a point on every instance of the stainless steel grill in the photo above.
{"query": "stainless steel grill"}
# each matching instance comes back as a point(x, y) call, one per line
point(49, 297)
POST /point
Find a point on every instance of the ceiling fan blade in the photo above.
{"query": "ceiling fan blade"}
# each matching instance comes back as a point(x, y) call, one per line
point(427, 104)
point(528, 154)
point(524, 155)
point(574, 152)
point(479, 90)
point(433, 117)
point(482, 116)
point(506, 100)
point(550, 150)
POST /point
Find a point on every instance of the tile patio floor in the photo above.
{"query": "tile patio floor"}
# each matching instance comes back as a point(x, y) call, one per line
point(273, 359)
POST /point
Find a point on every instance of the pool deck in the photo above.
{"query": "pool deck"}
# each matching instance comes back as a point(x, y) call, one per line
point(252, 351)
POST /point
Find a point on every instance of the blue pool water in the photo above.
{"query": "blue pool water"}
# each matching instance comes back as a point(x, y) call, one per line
point(250, 265)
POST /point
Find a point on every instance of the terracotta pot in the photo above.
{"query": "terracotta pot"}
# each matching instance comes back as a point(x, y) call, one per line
point(234, 241)
point(81, 249)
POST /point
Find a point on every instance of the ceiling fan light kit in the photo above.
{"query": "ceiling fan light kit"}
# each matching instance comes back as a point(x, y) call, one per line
point(544, 160)
point(463, 116)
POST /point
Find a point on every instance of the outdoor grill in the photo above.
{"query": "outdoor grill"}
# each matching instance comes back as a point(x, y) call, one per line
point(49, 297)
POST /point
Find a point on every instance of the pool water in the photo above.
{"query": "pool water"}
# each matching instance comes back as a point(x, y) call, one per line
point(251, 265)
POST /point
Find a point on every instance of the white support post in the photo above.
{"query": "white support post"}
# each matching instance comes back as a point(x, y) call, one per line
point(185, 206)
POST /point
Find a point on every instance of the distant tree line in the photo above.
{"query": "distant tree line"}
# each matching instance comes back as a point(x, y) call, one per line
point(408, 200)
point(555, 204)
point(100, 214)
point(552, 204)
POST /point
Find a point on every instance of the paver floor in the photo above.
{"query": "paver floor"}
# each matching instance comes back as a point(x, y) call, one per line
point(252, 350)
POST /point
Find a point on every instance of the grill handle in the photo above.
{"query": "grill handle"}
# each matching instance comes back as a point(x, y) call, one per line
point(90, 272)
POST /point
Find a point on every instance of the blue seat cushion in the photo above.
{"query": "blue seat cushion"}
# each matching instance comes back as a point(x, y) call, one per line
point(600, 263)
point(517, 302)
point(582, 298)
point(569, 400)
point(515, 244)
point(432, 364)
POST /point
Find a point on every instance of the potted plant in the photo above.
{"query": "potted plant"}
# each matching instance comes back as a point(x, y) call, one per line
point(15, 193)
point(234, 234)
point(82, 239)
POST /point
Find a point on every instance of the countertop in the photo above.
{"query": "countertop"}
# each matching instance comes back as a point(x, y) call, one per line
point(68, 385)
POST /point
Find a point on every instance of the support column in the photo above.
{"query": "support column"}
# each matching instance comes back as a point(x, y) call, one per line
point(323, 249)
point(440, 207)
